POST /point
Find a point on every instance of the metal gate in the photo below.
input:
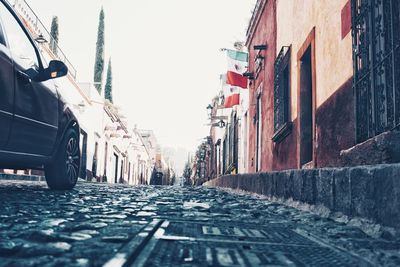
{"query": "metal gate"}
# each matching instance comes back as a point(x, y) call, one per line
point(376, 57)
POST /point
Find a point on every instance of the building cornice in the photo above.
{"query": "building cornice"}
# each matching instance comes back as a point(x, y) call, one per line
point(255, 19)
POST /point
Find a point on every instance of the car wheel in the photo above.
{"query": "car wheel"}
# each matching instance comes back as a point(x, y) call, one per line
point(62, 173)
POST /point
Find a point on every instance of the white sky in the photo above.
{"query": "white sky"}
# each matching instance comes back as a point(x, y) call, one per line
point(165, 56)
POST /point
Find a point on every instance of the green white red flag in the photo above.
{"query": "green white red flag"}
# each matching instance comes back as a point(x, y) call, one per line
point(237, 65)
point(231, 93)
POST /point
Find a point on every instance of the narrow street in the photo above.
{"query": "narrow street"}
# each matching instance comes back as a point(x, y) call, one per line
point(97, 224)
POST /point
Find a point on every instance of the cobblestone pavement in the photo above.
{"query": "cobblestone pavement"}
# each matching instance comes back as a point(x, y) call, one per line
point(98, 224)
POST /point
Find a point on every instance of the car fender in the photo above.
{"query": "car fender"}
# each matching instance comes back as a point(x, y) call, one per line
point(67, 120)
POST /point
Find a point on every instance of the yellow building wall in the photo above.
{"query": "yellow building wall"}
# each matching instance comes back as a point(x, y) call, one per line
point(295, 20)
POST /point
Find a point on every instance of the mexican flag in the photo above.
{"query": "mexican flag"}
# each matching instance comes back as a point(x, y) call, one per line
point(237, 65)
point(231, 93)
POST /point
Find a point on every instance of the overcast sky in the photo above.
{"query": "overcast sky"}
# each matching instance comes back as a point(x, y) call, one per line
point(165, 55)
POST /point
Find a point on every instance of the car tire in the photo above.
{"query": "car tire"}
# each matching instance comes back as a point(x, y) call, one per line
point(63, 172)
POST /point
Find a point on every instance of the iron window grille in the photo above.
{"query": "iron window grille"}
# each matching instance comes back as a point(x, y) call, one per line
point(258, 123)
point(376, 63)
point(259, 62)
point(225, 155)
point(233, 143)
point(282, 123)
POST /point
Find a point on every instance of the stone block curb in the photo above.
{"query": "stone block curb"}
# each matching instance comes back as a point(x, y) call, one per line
point(371, 192)
point(18, 177)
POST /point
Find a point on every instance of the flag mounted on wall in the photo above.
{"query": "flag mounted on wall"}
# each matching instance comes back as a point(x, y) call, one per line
point(237, 65)
point(231, 93)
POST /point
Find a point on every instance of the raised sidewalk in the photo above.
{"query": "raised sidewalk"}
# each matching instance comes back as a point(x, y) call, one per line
point(371, 192)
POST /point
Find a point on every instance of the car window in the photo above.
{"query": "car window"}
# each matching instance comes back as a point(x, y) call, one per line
point(21, 48)
point(45, 64)
point(2, 41)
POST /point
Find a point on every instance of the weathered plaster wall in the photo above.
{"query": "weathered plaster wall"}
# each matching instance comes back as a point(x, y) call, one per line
point(285, 153)
point(295, 20)
point(265, 33)
point(334, 114)
point(335, 120)
point(289, 23)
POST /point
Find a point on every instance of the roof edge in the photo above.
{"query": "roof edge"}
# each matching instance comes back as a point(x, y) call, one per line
point(258, 9)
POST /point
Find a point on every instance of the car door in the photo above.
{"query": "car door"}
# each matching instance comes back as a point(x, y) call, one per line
point(35, 124)
point(6, 88)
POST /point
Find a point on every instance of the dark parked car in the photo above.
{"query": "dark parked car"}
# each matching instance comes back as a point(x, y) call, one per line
point(37, 129)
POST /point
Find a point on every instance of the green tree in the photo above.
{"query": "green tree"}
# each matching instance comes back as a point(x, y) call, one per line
point(187, 173)
point(99, 63)
point(108, 88)
point(54, 35)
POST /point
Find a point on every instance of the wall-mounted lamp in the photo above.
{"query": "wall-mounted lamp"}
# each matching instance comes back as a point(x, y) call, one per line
point(115, 135)
point(40, 39)
point(209, 140)
point(260, 47)
point(255, 119)
point(249, 75)
point(80, 106)
point(209, 110)
point(110, 128)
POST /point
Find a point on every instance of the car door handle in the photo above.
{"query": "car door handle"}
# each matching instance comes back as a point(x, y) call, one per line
point(24, 77)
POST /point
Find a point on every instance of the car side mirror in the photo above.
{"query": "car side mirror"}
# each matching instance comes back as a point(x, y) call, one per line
point(56, 69)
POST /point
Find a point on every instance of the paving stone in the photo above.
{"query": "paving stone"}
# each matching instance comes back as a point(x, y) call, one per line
point(90, 225)
point(116, 238)
point(9, 247)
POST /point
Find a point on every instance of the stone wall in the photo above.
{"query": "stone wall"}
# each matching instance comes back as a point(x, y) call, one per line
point(371, 192)
point(381, 149)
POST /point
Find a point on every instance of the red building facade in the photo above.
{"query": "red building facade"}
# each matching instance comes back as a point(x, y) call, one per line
point(302, 114)
point(321, 94)
point(261, 42)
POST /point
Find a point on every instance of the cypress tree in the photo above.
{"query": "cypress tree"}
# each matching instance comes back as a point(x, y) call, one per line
point(54, 35)
point(108, 88)
point(99, 63)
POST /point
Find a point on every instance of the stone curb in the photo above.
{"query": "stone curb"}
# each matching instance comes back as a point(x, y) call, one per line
point(371, 192)
point(18, 177)
point(32, 178)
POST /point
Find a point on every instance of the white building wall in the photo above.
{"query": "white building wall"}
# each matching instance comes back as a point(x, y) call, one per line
point(88, 107)
point(242, 111)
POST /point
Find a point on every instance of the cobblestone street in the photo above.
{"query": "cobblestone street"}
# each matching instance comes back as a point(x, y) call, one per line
point(98, 224)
